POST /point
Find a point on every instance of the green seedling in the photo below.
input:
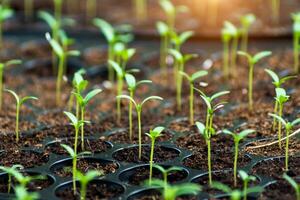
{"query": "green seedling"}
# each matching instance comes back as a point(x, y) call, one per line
point(91, 9)
point(252, 60)
point(275, 10)
point(165, 35)
point(123, 54)
point(5, 13)
point(84, 180)
point(112, 36)
point(234, 35)
point(179, 65)
point(139, 107)
point(277, 82)
point(10, 171)
point(62, 54)
point(77, 124)
point(246, 179)
point(28, 9)
point(153, 135)
point(179, 39)
point(226, 38)
point(2, 67)
point(65, 42)
point(192, 80)
point(140, 7)
point(171, 11)
point(294, 184)
point(83, 102)
point(19, 103)
point(166, 172)
point(170, 192)
point(74, 155)
point(237, 137)
point(288, 128)
point(246, 22)
point(281, 98)
point(22, 194)
point(132, 87)
point(58, 10)
point(296, 39)
point(235, 194)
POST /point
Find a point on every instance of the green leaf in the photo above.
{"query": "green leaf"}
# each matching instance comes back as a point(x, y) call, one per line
point(245, 133)
point(127, 97)
point(244, 176)
point(183, 37)
point(186, 75)
point(13, 62)
point(199, 74)
point(188, 57)
point(278, 118)
point(228, 132)
point(176, 54)
point(207, 102)
point(160, 168)
point(23, 194)
point(116, 67)
point(14, 94)
point(158, 129)
point(221, 186)
point(256, 189)
point(187, 188)
point(291, 181)
point(69, 150)
point(273, 75)
point(5, 13)
point(73, 53)
point(167, 6)
point(219, 94)
point(162, 28)
point(130, 80)
point(261, 55)
point(295, 122)
point(91, 94)
point(55, 45)
point(106, 28)
point(151, 98)
point(24, 99)
point(231, 29)
point(143, 82)
point(201, 127)
point(71, 117)
point(248, 56)
point(247, 20)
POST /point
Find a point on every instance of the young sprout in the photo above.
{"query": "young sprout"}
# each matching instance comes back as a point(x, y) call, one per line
point(132, 87)
point(235, 194)
point(281, 98)
point(58, 11)
point(2, 67)
point(62, 54)
point(252, 60)
point(237, 137)
point(296, 39)
point(246, 21)
point(275, 11)
point(226, 38)
point(65, 42)
point(165, 35)
point(140, 7)
point(179, 39)
point(288, 128)
point(74, 155)
point(77, 124)
point(123, 54)
point(277, 82)
point(19, 103)
point(112, 36)
point(91, 9)
point(83, 101)
point(5, 13)
point(170, 192)
point(171, 12)
point(246, 179)
point(139, 107)
point(153, 134)
point(179, 65)
point(10, 171)
point(294, 184)
point(234, 34)
point(121, 72)
point(28, 9)
point(192, 80)
point(22, 194)
point(166, 172)
point(84, 180)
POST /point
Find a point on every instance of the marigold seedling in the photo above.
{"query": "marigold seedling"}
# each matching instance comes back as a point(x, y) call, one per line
point(192, 80)
point(166, 172)
point(132, 87)
point(226, 38)
point(179, 39)
point(235, 194)
point(62, 54)
point(170, 192)
point(153, 135)
point(165, 35)
point(237, 137)
point(234, 33)
point(277, 82)
point(252, 60)
point(74, 155)
point(2, 67)
point(10, 171)
point(138, 107)
point(5, 13)
point(83, 102)
point(84, 180)
point(246, 21)
point(19, 103)
point(296, 39)
point(288, 128)
point(179, 65)
point(246, 179)
point(22, 194)
point(294, 184)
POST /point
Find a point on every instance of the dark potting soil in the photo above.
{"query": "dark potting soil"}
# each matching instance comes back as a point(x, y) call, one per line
point(276, 167)
point(85, 165)
point(141, 174)
point(95, 191)
point(152, 194)
point(130, 155)
point(27, 159)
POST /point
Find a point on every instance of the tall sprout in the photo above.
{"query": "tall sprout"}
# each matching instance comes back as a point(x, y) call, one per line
point(28, 9)
point(226, 38)
point(140, 8)
point(246, 179)
point(234, 34)
point(246, 22)
point(85, 179)
point(5, 13)
point(296, 39)
point(294, 184)
point(10, 171)
point(179, 39)
point(275, 10)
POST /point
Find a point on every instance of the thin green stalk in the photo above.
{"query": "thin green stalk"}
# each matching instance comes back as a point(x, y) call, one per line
point(28, 9)
point(1, 88)
point(165, 176)
point(296, 53)
point(17, 123)
point(91, 9)
point(140, 132)
point(245, 190)
point(119, 91)
point(76, 140)
point(250, 89)
point(245, 41)
point(209, 161)
point(1, 34)
point(280, 125)
point(274, 119)
point(82, 129)
point(74, 172)
point(287, 150)
point(179, 86)
point(130, 116)
point(59, 80)
point(9, 183)
point(236, 153)
point(110, 68)
point(226, 59)
point(70, 102)
point(191, 104)
point(234, 50)
point(163, 55)
point(151, 160)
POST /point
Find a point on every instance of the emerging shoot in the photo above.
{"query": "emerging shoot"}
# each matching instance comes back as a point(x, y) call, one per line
point(166, 172)
point(294, 184)
point(246, 179)
point(246, 21)
point(10, 171)
point(84, 180)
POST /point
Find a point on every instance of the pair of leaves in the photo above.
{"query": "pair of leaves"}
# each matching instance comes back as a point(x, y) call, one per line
point(257, 57)
point(84, 179)
point(281, 96)
point(22, 100)
point(155, 133)
point(78, 81)
point(72, 153)
point(276, 80)
point(247, 20)
point(74, 121)
point(83, 101)
point(139, 105)
point(22, 194)
point(194, 76)
point(239, 136)
point(229, 30)
point(5, 13)
point(132, 84)
point(9, 63)
point(163, 29)
point(180, 57)
point(209, 100)
point(287, 124)
point(179, 39)
point(246, 177)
